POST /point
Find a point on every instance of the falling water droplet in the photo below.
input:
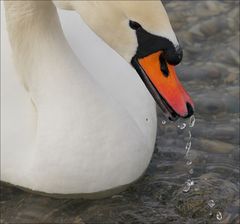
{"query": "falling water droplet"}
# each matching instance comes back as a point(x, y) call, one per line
point(186, 188)
point(191, 182)
point(188, 147)
point(189, 135)
point(191, 171)
point(188, 185)
point(182, 126)
point(164, 122)
point(192, 121)
point(211, 203)
point(210, 213)
point(219, 216)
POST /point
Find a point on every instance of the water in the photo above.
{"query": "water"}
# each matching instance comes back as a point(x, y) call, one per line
point(211, 203)
point(189, 135)
point(219, 216)
point(189, 144)
point(188, 184)
point(182, 126)
point(188, 147)
point(208, 32)
point(192, 121)
point(191, 171)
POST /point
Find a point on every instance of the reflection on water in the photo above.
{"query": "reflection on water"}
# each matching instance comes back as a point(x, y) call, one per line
point(208, 32)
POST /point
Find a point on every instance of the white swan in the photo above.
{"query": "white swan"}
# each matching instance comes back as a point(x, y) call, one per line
point(64, 130)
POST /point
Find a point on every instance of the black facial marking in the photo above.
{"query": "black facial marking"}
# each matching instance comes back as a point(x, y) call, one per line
point(134, 25)
point(149, 43)
point(163, 66)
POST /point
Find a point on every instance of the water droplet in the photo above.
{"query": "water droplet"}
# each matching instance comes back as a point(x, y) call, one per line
point(186, 188)
point(164, 122)
point(182, 126)
point(190, 182)
point(189, 163)
point(192, 121)
point(188, 185)
point(211, 203)
point(188, 147)
point(189, 135)
point(191, 171)
point(219, 216)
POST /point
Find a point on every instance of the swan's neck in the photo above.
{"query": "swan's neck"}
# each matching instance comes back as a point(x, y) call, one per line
point(37, 39)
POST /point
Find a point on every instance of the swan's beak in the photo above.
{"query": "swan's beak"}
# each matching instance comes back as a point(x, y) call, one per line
point(161, 80)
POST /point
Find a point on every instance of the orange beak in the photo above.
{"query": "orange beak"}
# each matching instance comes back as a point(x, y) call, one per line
point(161, 80)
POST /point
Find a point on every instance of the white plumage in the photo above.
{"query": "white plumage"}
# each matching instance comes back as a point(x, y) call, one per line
point(70, 130)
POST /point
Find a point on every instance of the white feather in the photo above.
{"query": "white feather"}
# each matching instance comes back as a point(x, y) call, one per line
point(73, 128)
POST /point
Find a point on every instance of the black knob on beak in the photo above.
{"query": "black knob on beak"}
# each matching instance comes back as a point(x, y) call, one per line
point(173, 55)
point(149, 43)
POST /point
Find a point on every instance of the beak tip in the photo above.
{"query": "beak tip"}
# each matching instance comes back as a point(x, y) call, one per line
point(190, 110)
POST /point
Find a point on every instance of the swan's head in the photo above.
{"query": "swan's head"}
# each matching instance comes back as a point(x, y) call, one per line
point(140, 32)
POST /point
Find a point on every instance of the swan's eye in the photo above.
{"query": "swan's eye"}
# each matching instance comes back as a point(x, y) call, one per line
point(163, 66)
point(134, 25)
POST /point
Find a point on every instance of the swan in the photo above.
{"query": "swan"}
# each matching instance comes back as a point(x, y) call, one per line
point(70, 131)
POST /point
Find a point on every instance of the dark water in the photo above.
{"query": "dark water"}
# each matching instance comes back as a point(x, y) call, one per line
point(209, 34)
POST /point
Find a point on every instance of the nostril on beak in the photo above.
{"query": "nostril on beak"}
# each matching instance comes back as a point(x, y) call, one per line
point(190, 110)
